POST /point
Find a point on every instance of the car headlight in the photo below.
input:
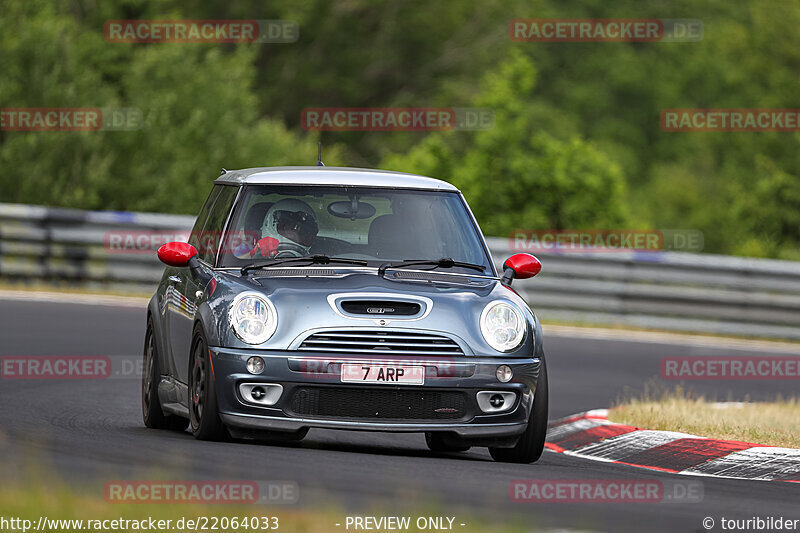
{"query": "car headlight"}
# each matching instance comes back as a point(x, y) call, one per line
point(253, 317)
point(503, 326)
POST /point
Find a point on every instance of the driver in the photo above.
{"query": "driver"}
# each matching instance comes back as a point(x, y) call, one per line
point(292, 224)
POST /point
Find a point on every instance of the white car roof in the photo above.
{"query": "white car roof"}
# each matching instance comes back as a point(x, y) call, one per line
point(332, 176)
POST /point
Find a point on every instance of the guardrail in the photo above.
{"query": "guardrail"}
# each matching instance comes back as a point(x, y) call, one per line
point(666, 290)
point(71, 246)
point(663, 290)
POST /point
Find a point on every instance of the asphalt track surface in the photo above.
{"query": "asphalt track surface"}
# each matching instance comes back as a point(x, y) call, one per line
point(87, 432)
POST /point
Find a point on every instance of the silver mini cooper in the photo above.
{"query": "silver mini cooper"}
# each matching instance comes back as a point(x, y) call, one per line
point(322, 297)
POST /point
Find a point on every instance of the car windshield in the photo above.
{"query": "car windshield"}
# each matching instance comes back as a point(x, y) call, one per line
point(378, 225)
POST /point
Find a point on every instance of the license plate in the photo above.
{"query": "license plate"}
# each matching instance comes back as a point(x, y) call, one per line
point(372, 373)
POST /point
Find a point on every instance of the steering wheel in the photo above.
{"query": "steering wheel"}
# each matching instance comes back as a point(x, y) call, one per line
point(287, 249)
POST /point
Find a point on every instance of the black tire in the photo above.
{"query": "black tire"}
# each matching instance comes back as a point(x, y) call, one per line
point(531, 444)
point(436, 443)
point(203, 411)
point(152, 414)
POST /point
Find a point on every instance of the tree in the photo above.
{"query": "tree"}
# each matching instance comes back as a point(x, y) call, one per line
point(515, 175)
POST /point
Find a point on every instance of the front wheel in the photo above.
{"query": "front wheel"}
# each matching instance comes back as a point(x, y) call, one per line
point(203, 412)
point(530, 445)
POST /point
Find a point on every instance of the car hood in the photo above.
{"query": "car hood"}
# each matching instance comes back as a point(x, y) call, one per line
point(449, 305)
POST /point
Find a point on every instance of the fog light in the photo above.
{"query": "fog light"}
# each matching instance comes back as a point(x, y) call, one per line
point(504, 373)
point(255, 365)
point(495, 401)
point(263, 394)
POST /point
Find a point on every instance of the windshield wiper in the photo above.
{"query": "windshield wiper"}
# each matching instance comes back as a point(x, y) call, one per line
point(444, 262)
point(313, 259)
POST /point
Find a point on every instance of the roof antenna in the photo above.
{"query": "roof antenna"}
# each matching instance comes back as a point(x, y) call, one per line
point(224, 171)
point(319, 155)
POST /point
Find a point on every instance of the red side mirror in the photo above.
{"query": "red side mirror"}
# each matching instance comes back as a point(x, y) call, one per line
point(520, 266)
point(176, 254)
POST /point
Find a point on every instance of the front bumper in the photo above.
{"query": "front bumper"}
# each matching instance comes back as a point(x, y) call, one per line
point(314, 396)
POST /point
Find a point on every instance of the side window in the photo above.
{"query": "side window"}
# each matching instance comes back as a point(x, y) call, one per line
point(194, 236)
point(211, 234)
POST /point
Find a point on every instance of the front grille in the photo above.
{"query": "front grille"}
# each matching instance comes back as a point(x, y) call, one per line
point(378, 404)
point(375, 342)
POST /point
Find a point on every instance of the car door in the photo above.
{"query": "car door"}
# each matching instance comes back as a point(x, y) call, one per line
point(177, 314)
point(185, 289)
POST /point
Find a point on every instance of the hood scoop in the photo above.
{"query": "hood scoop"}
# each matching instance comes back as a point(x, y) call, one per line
point(380, 308)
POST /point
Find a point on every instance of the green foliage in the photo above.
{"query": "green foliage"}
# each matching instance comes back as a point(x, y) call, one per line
point(771, 213)
point(577, 141)
point(518, 176)
point(199, 108)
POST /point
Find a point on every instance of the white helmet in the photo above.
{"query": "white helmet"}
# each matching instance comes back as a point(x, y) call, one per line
point(292, 223)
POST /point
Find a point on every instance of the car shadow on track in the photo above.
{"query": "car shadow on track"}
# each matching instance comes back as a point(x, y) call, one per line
point(384, 444)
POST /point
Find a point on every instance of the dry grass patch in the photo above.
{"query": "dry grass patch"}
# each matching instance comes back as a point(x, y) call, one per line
point(770, 423)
